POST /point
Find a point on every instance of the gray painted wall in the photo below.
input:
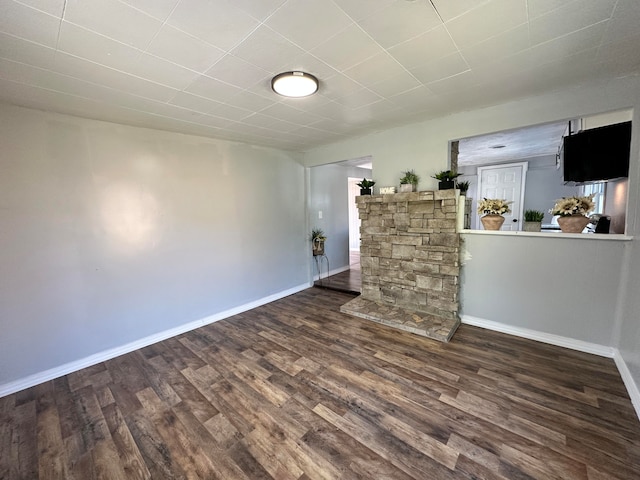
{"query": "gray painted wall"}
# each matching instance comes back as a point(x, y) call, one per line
point(112, 233)
point(424, 146)
point(329, 194)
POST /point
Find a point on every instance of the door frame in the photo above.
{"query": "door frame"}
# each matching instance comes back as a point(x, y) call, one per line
point(523, 181)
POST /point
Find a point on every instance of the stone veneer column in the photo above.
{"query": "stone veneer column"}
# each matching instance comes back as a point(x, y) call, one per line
point(409, 258)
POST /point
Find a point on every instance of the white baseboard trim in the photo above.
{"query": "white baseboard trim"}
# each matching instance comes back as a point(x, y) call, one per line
point(579, 345)
point(549, 338)
point(332, 272)
point(52, 373)
point(627, 378)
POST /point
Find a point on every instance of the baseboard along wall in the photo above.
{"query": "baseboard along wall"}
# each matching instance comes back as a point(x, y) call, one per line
point(45, 376)
point(571, 343)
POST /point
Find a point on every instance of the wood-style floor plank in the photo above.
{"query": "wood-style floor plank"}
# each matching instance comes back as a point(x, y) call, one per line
point(295, 390)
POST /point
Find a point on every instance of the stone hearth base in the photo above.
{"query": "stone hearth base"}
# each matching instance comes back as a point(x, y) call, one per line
point(427, 325)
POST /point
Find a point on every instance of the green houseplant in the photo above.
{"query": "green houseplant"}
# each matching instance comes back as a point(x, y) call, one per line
point(533, 220)
point(409, 181)
point(446, 179)
point(366, 186)
point(463, 187)
point(317, 241)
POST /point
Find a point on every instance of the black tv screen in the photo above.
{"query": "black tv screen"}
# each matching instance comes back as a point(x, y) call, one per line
point(597, 154)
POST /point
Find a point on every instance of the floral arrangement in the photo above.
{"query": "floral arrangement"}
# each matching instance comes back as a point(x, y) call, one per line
point(568, 206)
point(493, 206)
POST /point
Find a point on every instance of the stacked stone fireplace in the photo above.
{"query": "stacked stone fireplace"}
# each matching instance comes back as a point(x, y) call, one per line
point(409, 256)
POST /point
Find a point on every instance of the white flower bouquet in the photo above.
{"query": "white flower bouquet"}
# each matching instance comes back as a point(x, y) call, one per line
point(569, 206)
point(493, 206)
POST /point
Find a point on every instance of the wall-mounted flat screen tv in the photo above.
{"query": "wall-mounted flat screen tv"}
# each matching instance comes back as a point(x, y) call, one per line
point(597, 154)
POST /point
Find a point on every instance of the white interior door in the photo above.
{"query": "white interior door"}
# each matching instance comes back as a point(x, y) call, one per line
point(505, 181)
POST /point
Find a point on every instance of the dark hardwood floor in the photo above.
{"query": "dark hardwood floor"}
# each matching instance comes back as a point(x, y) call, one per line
point(349, 281)
point(297, 390)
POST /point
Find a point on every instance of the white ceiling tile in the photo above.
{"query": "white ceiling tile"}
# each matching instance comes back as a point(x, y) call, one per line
point(498, 47)
point(339, 86)
point(431, 45)
point(218, 22)
point(574, 42)
point(97, 48)
point(625, 21)
point(52, 7)
point(259, 9)
point(359, 9)
point(212, 89)
point(313, 65)
point(265, 121)
point(359, 98)
point(251, 101)
point(436, 70)
point(210, 107)
point(420, 96)
point(235, 71)
point(162, 71)
point(448, 9)
point(455, 83)
point(400, 21)
point(308, 23)
point(113, 19)
point(28, 23)
point(374, 69)
point(395, 85)
point(101, 75)
point(486, 21)
point(290, 114)
point(623, 53)
point(537, 8)
point(178, 47)
point(568, 45)
point(21, 50)
point(347, 48)
point(267, 49)
point(57, 82)
point(568, 19)
point(213, 121)
point(160, 9)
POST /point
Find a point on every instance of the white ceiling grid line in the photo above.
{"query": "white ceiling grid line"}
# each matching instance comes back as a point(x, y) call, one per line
point(204, 66)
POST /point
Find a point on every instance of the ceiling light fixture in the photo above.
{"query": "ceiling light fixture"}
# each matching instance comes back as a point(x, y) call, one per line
point(294, 84)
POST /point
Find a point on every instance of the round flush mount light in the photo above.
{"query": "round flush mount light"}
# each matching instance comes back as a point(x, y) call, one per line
point(294, 84)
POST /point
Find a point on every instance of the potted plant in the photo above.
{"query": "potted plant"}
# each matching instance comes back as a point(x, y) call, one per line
point(317, 241)
point(409, 181)
point(463, 187)
point(533, 220)
point(573, 212)
point(446, 179)
point(366, 186)
point(492, 210)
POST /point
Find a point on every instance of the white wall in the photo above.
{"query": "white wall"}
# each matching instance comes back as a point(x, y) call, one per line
point(112, 233)
point(424, 146)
